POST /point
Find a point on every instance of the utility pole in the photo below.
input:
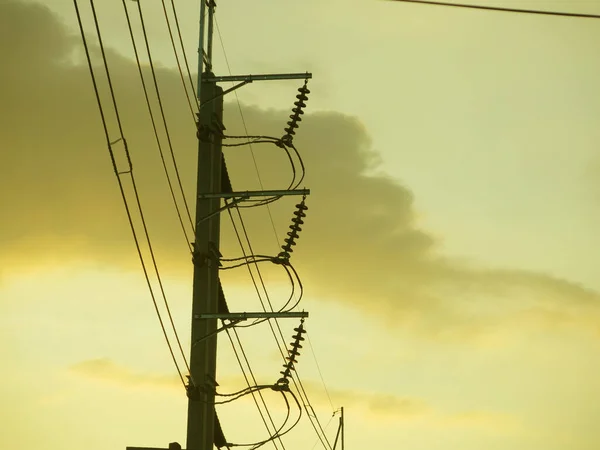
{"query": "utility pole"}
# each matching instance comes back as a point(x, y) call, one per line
point(340, 431)
point(213, 187)
point(205, 297)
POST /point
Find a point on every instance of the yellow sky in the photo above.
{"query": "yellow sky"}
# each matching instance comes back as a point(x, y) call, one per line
point(448, 254)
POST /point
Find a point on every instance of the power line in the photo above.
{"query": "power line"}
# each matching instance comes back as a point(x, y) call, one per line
point(257, 291)
point(249, 385)
point(130, 172)
point(187, 66)
point(162, 156)
point(162, 112)
point(298, 384)
point(497, 8)
point(296, 380)
point(245, 127)
point(185, 89)
point(320, 373)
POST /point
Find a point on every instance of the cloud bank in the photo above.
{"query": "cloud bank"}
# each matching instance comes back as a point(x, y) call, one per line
point(361, 245)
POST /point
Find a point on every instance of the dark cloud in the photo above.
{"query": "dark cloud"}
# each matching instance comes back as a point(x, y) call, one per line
point(360, 246)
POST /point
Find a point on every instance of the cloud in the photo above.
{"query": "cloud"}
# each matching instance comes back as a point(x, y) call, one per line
point(105, 370)
point(361, 245)
point(482, 420)
point(376, 405)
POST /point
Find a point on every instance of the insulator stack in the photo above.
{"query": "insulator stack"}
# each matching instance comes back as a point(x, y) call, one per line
point(290, 241)
point(293, 353)
point(295, 118)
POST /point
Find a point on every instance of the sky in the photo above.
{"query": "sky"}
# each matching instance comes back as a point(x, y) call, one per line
point(447, 257)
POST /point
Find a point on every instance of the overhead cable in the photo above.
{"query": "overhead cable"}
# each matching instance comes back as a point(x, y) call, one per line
point(130, 173)
point(176, 53)
point(497, 8)
point(154, 128)
point(162, 112)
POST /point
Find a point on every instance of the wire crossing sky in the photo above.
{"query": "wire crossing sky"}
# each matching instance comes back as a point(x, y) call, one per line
point(496, 8)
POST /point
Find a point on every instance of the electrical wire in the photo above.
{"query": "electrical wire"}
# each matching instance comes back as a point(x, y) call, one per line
point(297, 382)
point(279, 431)
point(244, 123)
point(279, 143)
point(235, 266)
point(496, 8)
point(245, 390)
point(326, 427)
point(237, 357)
point(130, 172)
point(237, 397)
point(312, 350)
point(175, 52)
point(160, 150)
point(187, 66)
point(162, 112)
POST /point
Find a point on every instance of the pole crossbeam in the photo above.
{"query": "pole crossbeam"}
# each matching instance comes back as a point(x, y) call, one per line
point(254, 315)
point(248, 194)
point(265, 77)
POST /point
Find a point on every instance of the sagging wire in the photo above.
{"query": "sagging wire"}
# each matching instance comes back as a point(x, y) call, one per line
point(175, 52)
point(279, 433)
point(285, 143)
point(315, 423)
point(118, 174)
point(162, 112)
point(282, 386)
point(282, 259)
point(297, 383)
point(254, 380)
point(154, 128)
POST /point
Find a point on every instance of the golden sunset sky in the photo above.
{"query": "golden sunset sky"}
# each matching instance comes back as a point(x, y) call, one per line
point(448, 258)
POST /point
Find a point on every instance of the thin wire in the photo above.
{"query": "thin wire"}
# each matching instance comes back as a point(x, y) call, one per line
point(114, 163)
point(245, 127)
point(326, 426)
point(248, 383)
point(495, 8)
point(162, 111)
point(162, 156)
point(135, 190)
point(260, 298)
point(319, 370)
point(175, 52)
point(187, 66)
point(258, 270)
point(298, 384)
